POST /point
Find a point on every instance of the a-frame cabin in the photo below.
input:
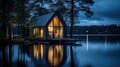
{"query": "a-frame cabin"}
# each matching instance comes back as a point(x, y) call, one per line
point(50, 25)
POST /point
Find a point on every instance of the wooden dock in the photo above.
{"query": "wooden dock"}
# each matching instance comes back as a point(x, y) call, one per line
point(62, 41)
point(53, 41)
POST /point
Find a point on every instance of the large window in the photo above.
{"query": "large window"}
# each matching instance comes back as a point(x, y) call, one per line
point(38, 32)
point(55, 28)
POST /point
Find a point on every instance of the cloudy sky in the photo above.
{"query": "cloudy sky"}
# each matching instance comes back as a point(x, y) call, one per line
point(105, 12)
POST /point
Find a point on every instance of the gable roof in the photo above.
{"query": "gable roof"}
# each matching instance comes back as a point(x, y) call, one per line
point(42, 20)
point(46, 19)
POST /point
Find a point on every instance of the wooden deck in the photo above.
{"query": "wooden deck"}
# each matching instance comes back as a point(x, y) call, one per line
point(62, 41)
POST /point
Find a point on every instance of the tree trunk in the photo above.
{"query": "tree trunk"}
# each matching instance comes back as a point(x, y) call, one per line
point(71, 29)
point(4, 17)
point(6, 23)
point(9, 32)
point(72, 19)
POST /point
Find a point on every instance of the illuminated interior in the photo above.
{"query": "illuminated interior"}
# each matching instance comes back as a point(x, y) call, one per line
point(38, 32)
point(55, 28)
point(38, 51)
point(55, 55)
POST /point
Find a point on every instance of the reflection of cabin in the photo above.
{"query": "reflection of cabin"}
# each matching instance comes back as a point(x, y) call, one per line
point(49, 25)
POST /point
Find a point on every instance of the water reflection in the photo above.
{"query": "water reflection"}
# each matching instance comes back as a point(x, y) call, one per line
point(55, 55)
point(105, 41)
point(87, 42)
point(102, 42)
point(99, 51)
point(38, 51)
point(96, 51)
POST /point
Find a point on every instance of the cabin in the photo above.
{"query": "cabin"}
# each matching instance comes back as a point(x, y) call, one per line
point(50, 25)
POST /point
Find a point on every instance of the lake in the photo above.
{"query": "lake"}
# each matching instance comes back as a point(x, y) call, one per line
point(96, 51)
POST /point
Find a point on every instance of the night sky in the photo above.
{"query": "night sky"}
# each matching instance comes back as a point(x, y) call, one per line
point(106, 12)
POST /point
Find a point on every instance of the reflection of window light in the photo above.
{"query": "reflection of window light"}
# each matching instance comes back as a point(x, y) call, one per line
point(41, 51)
point(55, 55)
point(35, 52)
point(38, 51)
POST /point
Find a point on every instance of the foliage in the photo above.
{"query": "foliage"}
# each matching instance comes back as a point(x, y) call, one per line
point(39, 7)
point(3, 35)
point(108, 29)
point(19, 39)
point(23, 12)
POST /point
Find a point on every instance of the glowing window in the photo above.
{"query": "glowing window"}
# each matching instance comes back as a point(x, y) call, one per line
point(38, 32)
point(55, 28)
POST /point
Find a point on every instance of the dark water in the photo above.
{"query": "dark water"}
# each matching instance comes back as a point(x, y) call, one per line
point(96, 51)
point(99, 51)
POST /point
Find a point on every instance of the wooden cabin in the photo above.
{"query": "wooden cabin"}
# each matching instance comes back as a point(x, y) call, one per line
point(50, 25)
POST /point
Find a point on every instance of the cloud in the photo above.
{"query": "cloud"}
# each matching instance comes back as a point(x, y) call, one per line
point(107, 8)
point(105, 12)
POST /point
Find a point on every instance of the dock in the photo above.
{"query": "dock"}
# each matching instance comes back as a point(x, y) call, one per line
point(53, 41)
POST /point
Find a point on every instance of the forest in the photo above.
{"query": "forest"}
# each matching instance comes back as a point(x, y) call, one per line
point(94, 29)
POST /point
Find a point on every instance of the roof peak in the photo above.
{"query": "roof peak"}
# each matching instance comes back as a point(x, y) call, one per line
point(44, 19)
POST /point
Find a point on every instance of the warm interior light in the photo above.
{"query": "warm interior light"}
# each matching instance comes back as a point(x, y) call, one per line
point(41, 33)
point(35, 31)
point(55, 28)
point(38, 32)
point(38, 51)
point(55, 55)
point(35, 51)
